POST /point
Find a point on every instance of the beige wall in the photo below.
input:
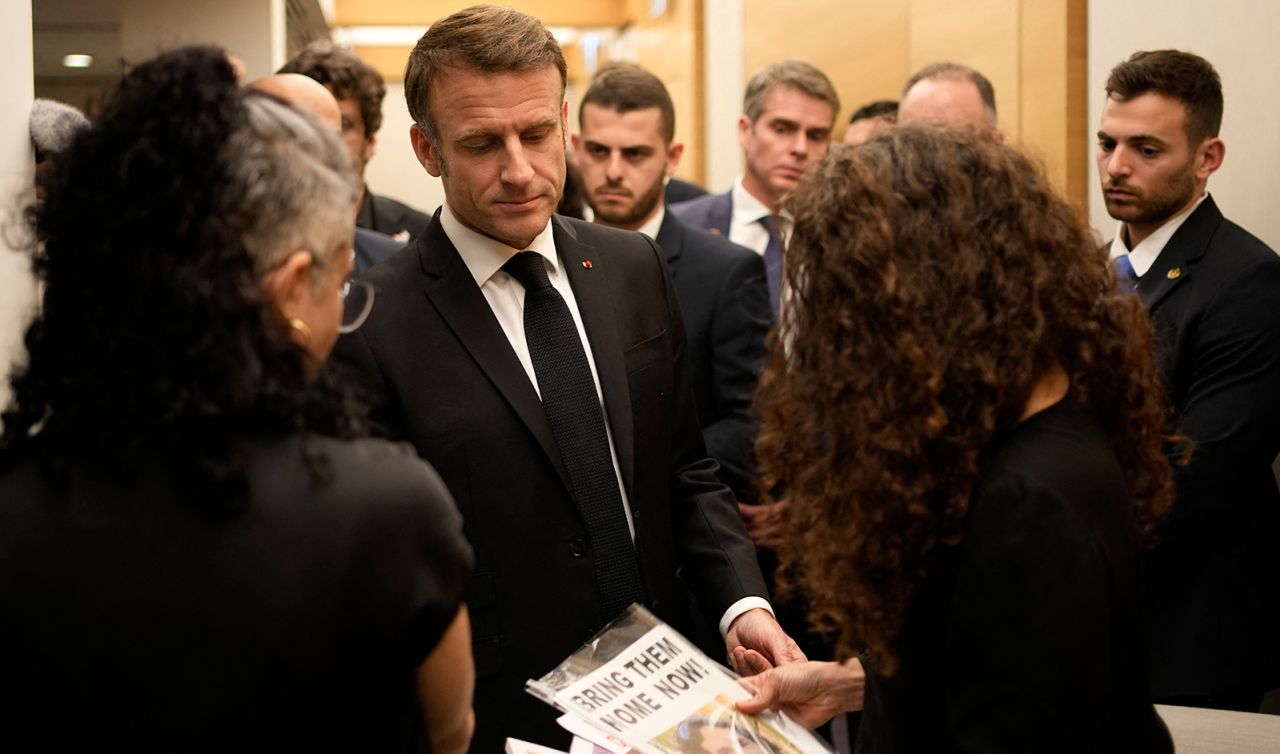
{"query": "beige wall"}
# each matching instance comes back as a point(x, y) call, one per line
point(17, 288)
point(394, 170)
point(252, 30)
point(1238, 37)
point(1031, 50)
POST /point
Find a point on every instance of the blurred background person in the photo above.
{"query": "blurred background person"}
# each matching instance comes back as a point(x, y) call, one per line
point(788, 111)
point(869, 120)
point(359, 89)
point(196, 551)
point(968, 423)
point(626, 148)
point(306, 94)
point(948, 93)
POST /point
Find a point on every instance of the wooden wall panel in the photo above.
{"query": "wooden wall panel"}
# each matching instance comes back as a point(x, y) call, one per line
point(860, 44)
point(982, 34)
point(670, 47)
point(1033, 51)
point(599, 13)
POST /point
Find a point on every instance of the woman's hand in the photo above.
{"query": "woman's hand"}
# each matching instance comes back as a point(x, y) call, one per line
point(811, 693)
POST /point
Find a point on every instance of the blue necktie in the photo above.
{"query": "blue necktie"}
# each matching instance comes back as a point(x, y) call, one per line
point(1126, 278)
point(577, 422)
point(773, 261)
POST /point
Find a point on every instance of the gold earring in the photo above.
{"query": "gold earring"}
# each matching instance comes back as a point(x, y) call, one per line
point(301, 329)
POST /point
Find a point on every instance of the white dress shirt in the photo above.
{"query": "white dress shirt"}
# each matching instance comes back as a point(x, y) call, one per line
point(744, 224)
point(1148, 250)
point(484, 258)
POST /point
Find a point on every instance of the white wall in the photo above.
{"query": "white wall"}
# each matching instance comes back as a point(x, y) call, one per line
point(1238, 37)
point(723, 58)
point(394, 170)
point(17, 288)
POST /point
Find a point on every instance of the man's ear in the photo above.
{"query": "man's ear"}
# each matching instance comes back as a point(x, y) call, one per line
point(368, 147)
point(1209, 157)
point(289, 284)
point(576, 140)
point(425, 150)
point(744, 130)
point(674, 152)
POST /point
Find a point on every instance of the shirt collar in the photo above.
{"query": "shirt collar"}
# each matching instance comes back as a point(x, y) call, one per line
point(746, 208)
point(1148, 250)
point(654, 224)
point(484, 256)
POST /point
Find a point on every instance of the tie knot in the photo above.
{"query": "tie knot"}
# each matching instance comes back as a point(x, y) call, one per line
point(529, 269)
point(769, 224)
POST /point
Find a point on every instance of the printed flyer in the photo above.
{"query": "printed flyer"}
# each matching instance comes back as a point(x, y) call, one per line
point(642, 682)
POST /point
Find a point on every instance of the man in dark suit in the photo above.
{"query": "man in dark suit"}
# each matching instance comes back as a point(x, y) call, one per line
point(788, 112)
point(625, 149)
point(1213, 291)
point(540, 364)
point(359, 90)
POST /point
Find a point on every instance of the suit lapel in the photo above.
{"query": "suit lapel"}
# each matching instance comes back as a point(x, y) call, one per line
point(597, 289)
point(670, 239)
point(1176, 261)
point(721, 213)
point(451, 289)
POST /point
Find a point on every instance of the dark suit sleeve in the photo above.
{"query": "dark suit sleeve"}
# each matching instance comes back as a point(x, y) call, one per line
point(1231, 405)
point(716, 557)
point(741, 321)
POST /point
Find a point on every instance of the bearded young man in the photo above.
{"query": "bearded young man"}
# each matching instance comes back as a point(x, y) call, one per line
point(1213, 291)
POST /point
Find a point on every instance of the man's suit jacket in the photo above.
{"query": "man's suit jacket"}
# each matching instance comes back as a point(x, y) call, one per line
point(372, 247)
point(725, 302)
point(390, 217)
point(440, 373)
point(1214, 298)
point(712, 212)
point(681, 191)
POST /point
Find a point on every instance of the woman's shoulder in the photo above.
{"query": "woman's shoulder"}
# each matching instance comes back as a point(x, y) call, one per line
point(362, 479)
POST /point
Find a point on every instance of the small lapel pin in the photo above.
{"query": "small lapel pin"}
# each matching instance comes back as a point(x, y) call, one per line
point(1175, 273)
point(586, 264)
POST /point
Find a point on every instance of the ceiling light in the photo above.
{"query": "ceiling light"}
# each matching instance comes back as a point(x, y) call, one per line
point(77, 61)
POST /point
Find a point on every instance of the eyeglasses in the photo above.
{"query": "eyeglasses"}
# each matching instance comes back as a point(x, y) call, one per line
point(357, 302)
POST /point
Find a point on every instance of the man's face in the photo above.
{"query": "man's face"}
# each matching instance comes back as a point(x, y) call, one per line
point(860, 131)
point(623, 161)
point(947, 101)
point(359, 142)
point(1149, 171)
point(790, 135)
point(501, 149)
point(716, 740)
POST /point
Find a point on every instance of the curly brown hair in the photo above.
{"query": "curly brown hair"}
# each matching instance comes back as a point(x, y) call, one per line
point(934, 278)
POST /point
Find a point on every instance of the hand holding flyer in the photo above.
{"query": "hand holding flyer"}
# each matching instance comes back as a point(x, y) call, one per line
point(642, 682)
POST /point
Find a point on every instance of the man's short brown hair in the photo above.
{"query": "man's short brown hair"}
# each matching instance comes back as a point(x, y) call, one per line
point(484, 38)
point(794, 74)
point(1179, 75)
point(626, 87)
point(346, 75)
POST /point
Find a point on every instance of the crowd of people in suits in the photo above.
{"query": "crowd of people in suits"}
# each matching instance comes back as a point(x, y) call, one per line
point(881, 425)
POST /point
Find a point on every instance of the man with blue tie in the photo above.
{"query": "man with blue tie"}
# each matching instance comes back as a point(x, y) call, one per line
point(788, 112)
point(1213, 291)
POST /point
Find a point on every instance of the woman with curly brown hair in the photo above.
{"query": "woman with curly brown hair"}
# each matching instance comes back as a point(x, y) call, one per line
point(966, 418)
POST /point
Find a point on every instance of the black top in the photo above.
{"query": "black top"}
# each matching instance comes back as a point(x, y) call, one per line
point(1029, 635)
point(133, 621)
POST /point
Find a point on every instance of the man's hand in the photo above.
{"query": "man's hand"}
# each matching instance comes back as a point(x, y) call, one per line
point(764, 523)
point(811, 693)
point(756, 642)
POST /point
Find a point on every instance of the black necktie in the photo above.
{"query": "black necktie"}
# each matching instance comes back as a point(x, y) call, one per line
point(773, 261)
point(573, 409)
